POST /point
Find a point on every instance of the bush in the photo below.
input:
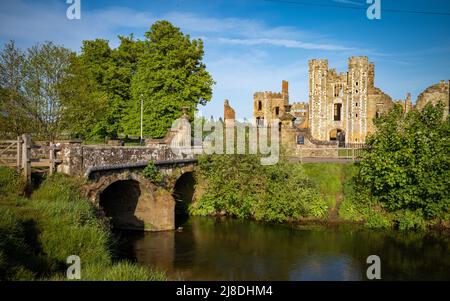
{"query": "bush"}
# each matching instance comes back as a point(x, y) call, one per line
point(152, 173)
point(407, 166)
point(240, 186)
point(409, 220)
point(378, 220)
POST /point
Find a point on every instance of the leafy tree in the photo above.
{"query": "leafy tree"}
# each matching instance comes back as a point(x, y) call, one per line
point(85, 103)
point(170, 75)
point(407, 165)
point(30, 98)
point(240, 186)
point(45, 69)
point(14, 117)
point(105, 75)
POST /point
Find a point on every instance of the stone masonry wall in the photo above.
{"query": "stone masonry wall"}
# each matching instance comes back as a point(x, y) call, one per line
point(76, 158)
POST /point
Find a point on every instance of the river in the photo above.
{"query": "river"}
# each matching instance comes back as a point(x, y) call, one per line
point(229, 249)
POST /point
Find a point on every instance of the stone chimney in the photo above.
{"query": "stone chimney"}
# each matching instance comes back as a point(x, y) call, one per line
point(285, 90)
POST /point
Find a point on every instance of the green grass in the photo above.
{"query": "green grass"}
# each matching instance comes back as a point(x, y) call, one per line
point(330, 178)
point(38, 234)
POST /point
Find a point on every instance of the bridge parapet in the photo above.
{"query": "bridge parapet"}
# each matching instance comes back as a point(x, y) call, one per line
point(77, 159)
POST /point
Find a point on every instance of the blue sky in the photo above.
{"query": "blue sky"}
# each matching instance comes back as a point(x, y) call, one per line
point(251, 45)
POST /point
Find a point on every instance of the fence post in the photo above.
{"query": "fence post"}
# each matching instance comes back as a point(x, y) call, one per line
point(19, 154)
point(26, 157)
point(52, 158)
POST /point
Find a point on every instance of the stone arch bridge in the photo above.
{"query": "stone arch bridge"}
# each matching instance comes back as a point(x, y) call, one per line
point(115, 182)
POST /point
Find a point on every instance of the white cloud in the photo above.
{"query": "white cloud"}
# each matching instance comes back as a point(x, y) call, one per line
point(285, 43)
point(28, 23)
point(238, 73)
point(349, 2)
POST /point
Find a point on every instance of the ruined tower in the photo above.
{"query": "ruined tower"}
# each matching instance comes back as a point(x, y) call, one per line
point(360, 80)
point(270, 105)
point(342, 105)
point(318, 71)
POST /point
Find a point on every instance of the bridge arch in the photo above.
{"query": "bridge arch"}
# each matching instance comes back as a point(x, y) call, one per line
point(183, 193)
point(119, 202)
point(132, 202)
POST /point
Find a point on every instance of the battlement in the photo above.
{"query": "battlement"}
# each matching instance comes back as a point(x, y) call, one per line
point(267, 94)
point(358, 61)
point(320, 63)
point(299, 105)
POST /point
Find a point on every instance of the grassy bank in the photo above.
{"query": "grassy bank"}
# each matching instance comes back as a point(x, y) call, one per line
point(331, 180)
point(240, 186)
point(38, 234)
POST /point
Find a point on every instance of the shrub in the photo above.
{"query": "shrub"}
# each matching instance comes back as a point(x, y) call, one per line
point(408, 220)
point(407, 166)
point(152, 173)
point(240, 186)
point(378, 220)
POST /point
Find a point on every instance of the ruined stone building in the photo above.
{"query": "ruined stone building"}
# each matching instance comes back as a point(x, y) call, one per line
point(434, 94)
point(270, 105)
point(341, 106)
point(228, 111)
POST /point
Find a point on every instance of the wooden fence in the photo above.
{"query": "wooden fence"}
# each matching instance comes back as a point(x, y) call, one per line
point(18, 154)
point(332, 153)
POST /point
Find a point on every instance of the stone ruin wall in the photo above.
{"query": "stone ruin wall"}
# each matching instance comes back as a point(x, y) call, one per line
point(434, 94)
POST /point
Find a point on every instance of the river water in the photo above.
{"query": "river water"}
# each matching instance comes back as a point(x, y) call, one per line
point(228, 249)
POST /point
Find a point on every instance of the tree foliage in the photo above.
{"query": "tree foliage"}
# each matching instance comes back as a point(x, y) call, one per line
point(238, 185)
point(170, 75)
point(48, 90)
point(407, 165)
point(30, 89)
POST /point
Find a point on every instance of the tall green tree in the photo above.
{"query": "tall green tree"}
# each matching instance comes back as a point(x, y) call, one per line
point(30, 82)
point(45, 69)
point(14, 119)
point(407, 165)
point(85, 103)
point(170, 75)
point(106, 74)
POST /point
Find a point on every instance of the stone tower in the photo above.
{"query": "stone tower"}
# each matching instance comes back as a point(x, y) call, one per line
point(270, 105)
point(360, 80)
point(342, 105)
point(318, 71)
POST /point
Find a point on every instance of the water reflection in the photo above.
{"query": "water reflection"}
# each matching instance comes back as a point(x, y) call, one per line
point(224, 249)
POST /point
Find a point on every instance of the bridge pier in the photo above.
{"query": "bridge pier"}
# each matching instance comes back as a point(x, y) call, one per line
point(133, 202)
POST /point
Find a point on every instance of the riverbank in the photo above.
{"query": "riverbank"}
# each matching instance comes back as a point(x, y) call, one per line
point(319, 193)
point(37, 234)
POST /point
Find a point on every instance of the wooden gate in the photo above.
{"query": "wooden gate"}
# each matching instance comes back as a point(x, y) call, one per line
point(8, 153)
point(17, 153)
